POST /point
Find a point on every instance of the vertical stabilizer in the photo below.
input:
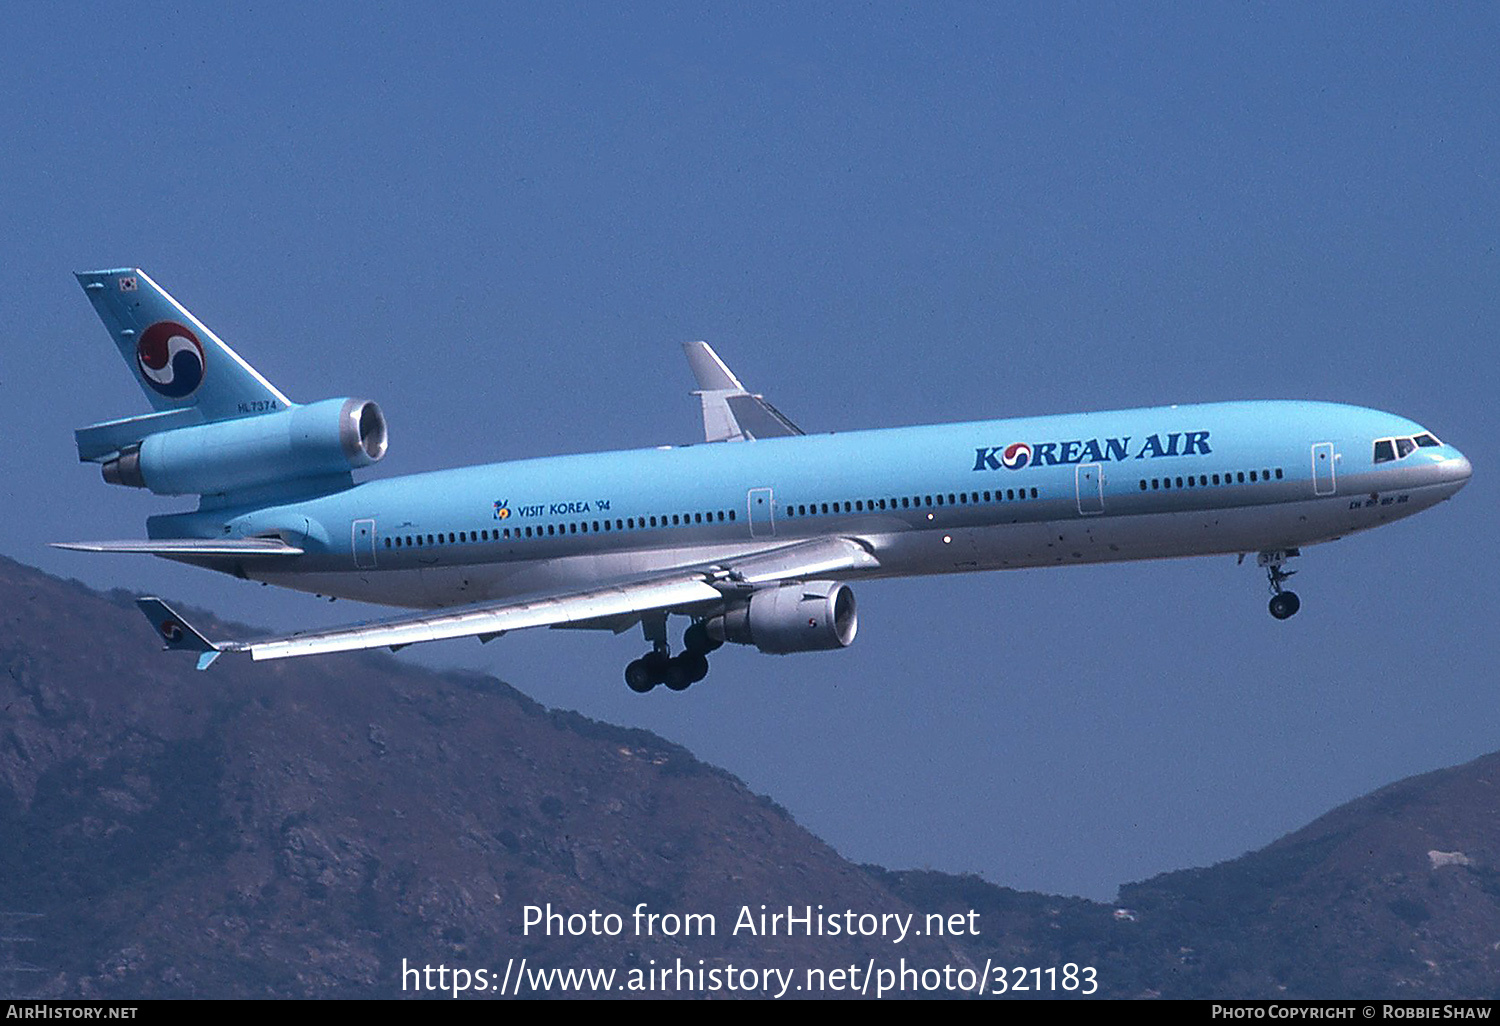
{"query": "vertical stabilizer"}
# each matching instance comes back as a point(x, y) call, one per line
point(179, 363)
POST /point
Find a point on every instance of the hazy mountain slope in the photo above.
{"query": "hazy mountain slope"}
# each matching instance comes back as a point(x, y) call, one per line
point(300, 827)
point(1395, 894)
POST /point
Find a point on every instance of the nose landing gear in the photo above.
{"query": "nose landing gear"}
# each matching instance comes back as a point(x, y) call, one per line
point(1283, 603)
point(658, 666)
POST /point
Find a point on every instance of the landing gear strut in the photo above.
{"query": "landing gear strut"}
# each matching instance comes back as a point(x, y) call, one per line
point(659, 666)
point(1283, 603)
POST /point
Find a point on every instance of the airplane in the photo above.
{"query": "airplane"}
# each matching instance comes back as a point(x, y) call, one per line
point(753, 535)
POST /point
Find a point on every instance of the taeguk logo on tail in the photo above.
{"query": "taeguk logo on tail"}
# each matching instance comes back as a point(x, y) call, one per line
point(171, 359)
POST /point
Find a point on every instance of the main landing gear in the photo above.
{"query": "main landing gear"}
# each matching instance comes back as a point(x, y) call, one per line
point(1283, 603)
point(659, 666)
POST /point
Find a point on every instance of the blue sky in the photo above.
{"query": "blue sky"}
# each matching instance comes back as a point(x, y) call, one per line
point(498, 222)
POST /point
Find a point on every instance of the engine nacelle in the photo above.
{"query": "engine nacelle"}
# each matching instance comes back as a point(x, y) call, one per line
point(333, 436)
point(814, 616)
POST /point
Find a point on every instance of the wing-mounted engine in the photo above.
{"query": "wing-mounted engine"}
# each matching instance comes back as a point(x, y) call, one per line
point(813, 616)
point(330, 437)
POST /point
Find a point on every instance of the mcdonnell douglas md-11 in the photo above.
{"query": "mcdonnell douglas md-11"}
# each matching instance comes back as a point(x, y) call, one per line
point(752, 537)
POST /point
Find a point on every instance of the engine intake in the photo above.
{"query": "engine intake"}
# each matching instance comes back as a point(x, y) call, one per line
point(329, 437)
point(814, 616)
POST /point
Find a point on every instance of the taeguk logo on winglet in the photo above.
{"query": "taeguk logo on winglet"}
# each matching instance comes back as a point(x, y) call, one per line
point(171, 359)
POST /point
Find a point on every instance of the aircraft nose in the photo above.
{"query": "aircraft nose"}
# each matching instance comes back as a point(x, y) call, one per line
point(1457, 469)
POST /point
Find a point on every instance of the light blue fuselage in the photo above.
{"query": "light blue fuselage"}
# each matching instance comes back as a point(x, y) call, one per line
point(1093, 487)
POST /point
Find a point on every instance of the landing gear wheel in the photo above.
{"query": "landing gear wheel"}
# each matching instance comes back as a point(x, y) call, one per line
point(648, 671)
point(638, 678)
point(696, 640)
point(686, 670)
point(1284, 604)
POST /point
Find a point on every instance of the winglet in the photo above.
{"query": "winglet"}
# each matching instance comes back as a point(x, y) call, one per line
point(730, 412)
point(177, 633)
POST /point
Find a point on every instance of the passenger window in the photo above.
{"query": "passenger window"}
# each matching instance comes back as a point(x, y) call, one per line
point(1252, 477)
point(1384, 451)
point(1278, 473)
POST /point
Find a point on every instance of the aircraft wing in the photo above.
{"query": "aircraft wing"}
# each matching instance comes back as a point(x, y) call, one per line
point(730, 412)
point(677, 589)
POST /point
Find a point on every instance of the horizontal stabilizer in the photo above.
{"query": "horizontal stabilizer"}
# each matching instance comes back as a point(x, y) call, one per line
point(188, 547)
point(99, 442)
point(730, 412)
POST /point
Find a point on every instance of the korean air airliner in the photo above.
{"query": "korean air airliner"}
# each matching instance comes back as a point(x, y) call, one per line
point(753, 535)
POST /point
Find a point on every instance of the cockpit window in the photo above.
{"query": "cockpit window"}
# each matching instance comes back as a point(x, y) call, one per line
point(1388, 449)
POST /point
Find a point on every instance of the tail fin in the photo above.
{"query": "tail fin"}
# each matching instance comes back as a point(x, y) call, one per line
point(179, 363)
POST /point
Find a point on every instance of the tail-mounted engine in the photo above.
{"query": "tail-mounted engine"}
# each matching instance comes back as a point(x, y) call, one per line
point(814, 616)
point(329, 437)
